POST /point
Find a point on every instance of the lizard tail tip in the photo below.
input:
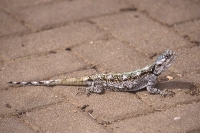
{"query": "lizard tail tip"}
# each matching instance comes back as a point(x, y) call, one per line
point(48, 82)
point(11, 82)
point(20, 83)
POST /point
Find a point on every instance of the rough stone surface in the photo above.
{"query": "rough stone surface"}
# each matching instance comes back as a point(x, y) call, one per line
point(169, 11)
point(9, 26)
point(51, 39)
point(188, 60)
point(183, 118)
point(20, 4)
point(65, 11)
point(74, 120)
point(11, 125)
point(141, 32)
point(189, 30)
point(104, 52)
point(22, 99)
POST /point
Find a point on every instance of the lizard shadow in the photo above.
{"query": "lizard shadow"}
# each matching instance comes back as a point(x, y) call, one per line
point(171, 85)
point(176, 85)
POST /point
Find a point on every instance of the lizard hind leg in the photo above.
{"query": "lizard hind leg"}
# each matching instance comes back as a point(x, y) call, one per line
point(153, 90)
point(166, 92)
point(94, 89)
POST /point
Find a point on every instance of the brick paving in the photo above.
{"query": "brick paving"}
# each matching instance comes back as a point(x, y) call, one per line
point(49, 39)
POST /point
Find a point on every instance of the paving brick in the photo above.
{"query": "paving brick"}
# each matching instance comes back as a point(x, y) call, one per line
point(113, 106)
point(141, 32)
point(196, 1)
point(19, 4)
point(188, 60)
point(169, 11)
point(193, 79)
point(40, 67)
point(9, 26)
point(190, 30)
point(57, 38)
point(22, 99)
point(66, 117)
point(64, 11)
point(107, 36)
point(113, 55)
point(193, 76)
point(11, 125)
point(183, 118)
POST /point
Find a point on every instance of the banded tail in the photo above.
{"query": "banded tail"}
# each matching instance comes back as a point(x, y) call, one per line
point(67, 81)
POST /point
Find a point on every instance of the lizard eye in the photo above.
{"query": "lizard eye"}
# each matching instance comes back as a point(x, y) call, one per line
point(167, 56)
point(159, 65)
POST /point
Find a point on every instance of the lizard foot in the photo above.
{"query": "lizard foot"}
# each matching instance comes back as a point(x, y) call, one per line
point(166, 92)
point(81, 91)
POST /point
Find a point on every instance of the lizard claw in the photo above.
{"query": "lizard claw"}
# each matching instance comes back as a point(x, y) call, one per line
point(81, 91)
point(166, 92)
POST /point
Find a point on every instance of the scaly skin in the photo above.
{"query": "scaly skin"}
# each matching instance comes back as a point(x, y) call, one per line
point(127, 81)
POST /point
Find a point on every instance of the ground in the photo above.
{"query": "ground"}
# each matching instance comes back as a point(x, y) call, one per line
point(50, 39)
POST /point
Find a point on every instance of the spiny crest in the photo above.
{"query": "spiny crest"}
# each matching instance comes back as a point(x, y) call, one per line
point(121, 76)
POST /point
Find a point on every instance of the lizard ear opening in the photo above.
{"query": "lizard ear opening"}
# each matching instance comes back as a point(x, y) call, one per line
point(153, 70)
point(157, 69)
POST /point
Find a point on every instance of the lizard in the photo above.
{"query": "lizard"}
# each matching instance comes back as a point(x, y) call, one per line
point(126, 81)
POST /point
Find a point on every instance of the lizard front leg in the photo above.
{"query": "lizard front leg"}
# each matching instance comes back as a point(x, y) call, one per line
point(151, 89)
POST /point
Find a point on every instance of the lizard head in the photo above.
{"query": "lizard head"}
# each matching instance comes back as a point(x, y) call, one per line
point(164, 61)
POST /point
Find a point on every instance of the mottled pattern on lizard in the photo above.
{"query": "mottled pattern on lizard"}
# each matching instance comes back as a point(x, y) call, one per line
point(127, 81)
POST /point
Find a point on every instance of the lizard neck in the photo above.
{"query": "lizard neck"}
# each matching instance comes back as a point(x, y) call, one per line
point(153, 71)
